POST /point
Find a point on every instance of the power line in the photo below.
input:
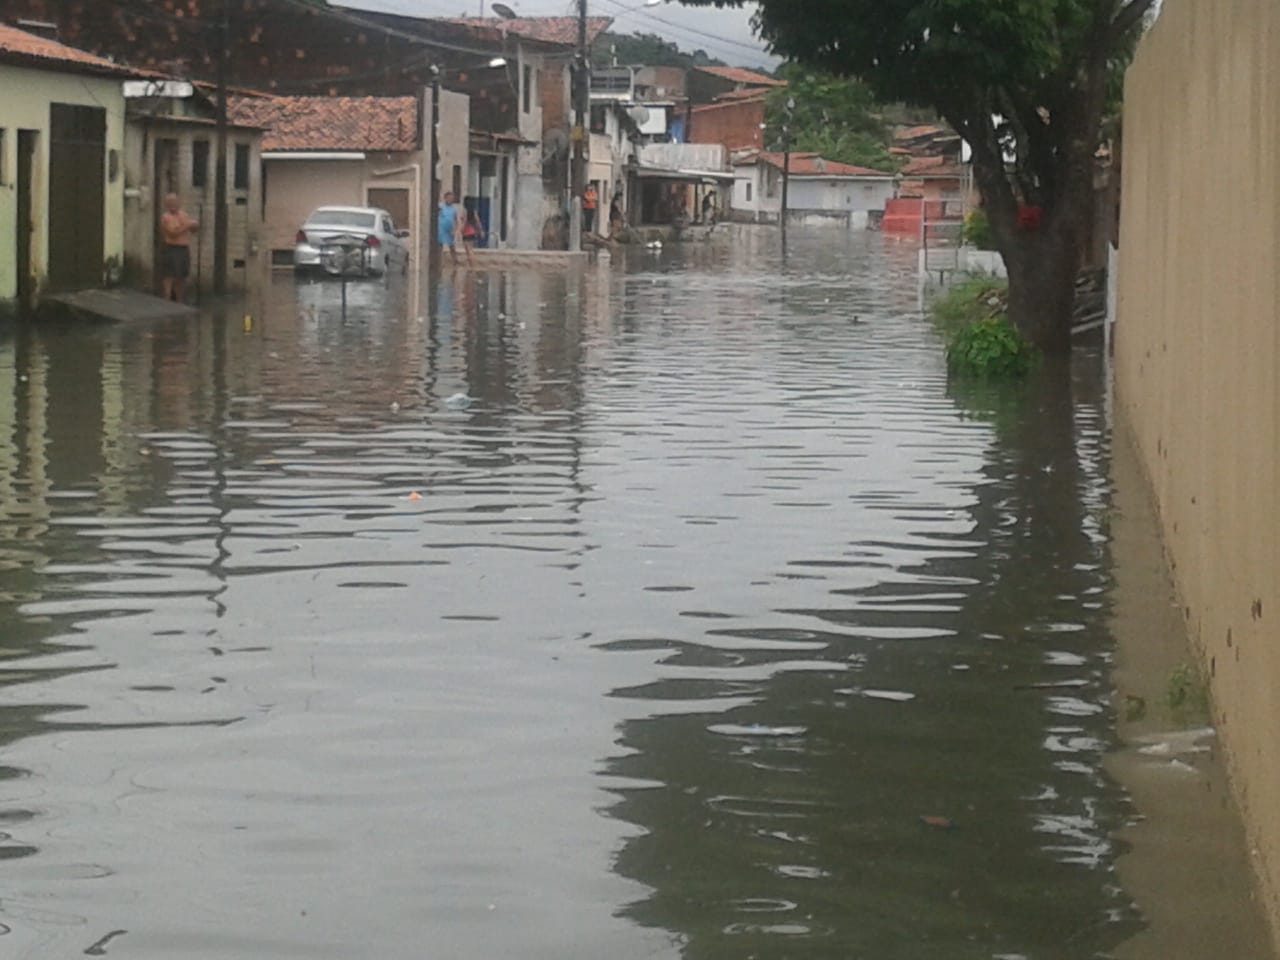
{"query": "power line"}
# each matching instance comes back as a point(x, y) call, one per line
point(641, 11)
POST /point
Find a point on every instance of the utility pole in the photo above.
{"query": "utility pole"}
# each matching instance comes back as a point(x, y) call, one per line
point(581, 91)
point(786, 165)
point(433, 243)
point(220, 229)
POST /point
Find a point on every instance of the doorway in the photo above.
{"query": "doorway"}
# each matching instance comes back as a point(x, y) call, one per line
point(26, 225)
point(77, 195)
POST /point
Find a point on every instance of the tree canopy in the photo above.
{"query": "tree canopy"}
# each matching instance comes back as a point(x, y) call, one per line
point(648, 49)
point(1026, 82)
point(837, 117)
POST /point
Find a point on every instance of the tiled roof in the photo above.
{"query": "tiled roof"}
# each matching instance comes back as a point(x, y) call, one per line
point(745, 93)
point(330, 123)
point(931, 167)
point(558, 30)
point(19, 46)
point(924, 130)
point(813, 165)
point(746, 77)
point(726, 104)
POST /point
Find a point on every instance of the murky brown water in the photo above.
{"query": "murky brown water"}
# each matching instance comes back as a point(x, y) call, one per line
point(683, 613)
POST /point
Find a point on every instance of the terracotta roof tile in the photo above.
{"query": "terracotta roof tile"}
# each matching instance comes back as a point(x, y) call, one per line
point(923, 130)
point(931, 167)
point(813, 165)
point(739, 75)
point(741, 102)
point(746, 93)
point(330, 123)
point(558, 30)
point(23, 47)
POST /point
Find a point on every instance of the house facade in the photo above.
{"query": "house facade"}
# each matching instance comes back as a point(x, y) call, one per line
point(61, 178)
point(170, 146)
point(818, 190)
point(353, 151)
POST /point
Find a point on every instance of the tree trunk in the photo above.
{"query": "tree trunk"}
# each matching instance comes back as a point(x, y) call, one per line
point(1042, 280)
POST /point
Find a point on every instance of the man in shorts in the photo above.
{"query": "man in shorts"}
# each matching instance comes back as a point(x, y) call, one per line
point(176, 228)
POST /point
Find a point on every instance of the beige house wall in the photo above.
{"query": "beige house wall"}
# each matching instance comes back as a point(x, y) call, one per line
point(296, 187)
point(144, 200)
point(25, 99)
point(1197, 358)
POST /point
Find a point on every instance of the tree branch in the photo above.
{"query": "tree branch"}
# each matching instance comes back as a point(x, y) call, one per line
point(1129, 17)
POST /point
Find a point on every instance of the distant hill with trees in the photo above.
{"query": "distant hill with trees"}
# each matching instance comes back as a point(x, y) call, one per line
point(648, 49)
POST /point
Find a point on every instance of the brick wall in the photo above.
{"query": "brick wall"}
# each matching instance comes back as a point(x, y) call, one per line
point(735, 125)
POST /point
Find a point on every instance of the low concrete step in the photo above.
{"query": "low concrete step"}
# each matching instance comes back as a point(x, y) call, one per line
point(114, 305)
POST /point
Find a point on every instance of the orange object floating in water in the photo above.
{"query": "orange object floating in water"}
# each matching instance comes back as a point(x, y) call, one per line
point(415, 495)
point(942, 823)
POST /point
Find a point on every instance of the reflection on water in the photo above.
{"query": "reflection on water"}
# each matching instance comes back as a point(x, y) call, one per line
point(714, 625)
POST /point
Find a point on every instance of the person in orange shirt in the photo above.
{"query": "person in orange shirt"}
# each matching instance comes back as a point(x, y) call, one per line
point(590, 200)
point(176, 228)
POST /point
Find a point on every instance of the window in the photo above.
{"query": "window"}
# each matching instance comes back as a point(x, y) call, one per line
point(527, 88)
point(387, 228)
point(4, 157)
point(748, 186)
point(200, 163)
point(242, 166)
point(598, 112)
point(457, 182)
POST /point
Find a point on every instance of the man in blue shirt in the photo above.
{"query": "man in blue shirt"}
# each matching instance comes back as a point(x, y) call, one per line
point(447, 229)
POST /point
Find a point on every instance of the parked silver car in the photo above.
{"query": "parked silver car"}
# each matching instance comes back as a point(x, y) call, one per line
point(385, 247)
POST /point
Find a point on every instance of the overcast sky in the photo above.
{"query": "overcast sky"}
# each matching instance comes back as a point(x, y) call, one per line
point(721, 33)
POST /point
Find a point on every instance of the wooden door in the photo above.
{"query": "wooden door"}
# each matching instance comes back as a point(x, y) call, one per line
point(25, 225)
point(77, 194)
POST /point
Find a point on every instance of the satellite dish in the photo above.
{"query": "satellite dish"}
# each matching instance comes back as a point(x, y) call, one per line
point(640, 114)
point(502, 10)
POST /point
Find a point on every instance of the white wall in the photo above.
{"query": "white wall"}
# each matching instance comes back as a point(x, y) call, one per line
point(528, 207)
point(686, 156)
point(840, 195)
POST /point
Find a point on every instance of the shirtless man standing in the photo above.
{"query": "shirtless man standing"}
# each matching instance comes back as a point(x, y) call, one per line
point(176, 228)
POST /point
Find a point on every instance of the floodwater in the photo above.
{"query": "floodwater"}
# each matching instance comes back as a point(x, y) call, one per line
point(679, 609)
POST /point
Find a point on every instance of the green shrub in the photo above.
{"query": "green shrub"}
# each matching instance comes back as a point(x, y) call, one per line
point(973, 298)
point(990, 347)
point(977, 231)
point(981, 342)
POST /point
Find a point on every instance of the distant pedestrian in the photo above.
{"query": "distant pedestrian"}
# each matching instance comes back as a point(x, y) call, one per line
point(448, 228)
point(471, 231)
point(176, 227)
point(615, 217)
point(590, 200)
point(709, 207)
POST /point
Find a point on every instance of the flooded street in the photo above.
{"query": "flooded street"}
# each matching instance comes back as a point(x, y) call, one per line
point(680, 609)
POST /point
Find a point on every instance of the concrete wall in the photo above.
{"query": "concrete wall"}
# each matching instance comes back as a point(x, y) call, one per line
point(1197, 357)
point(144, 198)
point(296, 187)
point(849, 196)
point(530, 203)
point(24, 105)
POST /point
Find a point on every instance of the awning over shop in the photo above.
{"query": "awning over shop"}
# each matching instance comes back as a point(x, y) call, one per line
point(711, 177)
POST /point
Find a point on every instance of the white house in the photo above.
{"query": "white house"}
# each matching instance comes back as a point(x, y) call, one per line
point(818, 189)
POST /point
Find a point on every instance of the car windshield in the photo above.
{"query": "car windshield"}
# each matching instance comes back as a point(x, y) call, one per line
point(343, 218)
